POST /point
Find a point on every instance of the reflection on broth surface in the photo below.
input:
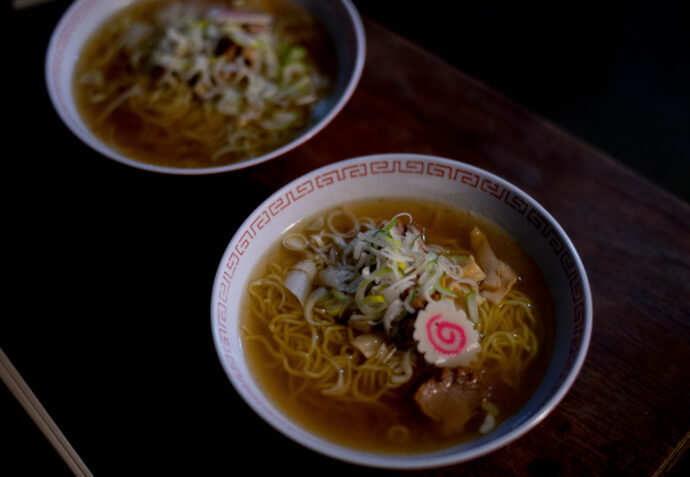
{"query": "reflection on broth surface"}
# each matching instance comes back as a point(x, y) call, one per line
point(202, 83)
point(397, 326)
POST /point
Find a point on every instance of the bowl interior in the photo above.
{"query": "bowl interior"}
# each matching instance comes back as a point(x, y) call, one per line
point(342, 24)
point(430, 178)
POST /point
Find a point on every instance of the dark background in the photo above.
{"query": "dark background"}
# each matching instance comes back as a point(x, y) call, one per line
point(614, 73)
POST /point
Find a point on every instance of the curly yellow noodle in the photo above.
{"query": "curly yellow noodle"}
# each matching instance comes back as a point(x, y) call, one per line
point(510, 342)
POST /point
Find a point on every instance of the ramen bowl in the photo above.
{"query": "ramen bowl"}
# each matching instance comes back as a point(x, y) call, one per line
point(424, 178)
point(342, 32)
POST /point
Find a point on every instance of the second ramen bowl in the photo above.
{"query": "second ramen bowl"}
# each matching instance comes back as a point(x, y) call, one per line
point(430, 179)
point(338, 18)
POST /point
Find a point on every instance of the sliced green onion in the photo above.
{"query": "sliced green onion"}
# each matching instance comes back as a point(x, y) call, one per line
point(444, 290)
point(383, 271)
point(472, 308)
point(323, 299)
point(391, 224)
point(374, 299)
point(339, 295)
point(384, 232)
point(360, 295)
point(335, 311)
point(412, 295)
point(460, 259)
point(294, 54)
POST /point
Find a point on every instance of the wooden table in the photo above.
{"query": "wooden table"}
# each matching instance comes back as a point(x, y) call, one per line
point(111, 270)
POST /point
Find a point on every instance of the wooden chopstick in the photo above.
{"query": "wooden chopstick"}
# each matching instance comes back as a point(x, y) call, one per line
point(35, 409)
point(23, 4)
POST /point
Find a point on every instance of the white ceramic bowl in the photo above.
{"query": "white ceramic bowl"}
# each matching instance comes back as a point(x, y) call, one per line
point(430, 178)
point(339, 17)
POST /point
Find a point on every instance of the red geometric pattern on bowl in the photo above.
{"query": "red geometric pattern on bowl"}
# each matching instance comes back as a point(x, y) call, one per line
point(66, 30)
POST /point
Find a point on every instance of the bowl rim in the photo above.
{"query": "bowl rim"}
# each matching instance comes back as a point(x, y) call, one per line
point(355, 21)
point(434, 459)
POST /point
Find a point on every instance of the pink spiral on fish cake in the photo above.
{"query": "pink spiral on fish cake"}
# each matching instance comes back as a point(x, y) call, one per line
point(446, 337)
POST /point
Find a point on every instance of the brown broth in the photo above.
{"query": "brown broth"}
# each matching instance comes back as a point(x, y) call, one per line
point(191, 140)
point(364, 426)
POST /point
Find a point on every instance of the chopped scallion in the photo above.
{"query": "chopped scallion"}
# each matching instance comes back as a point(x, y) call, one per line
point(391, 224)
point(374, 299)
point(339, 295)
point(472, 308)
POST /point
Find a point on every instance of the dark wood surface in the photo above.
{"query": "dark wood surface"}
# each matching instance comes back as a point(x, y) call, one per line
point(111, 271)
